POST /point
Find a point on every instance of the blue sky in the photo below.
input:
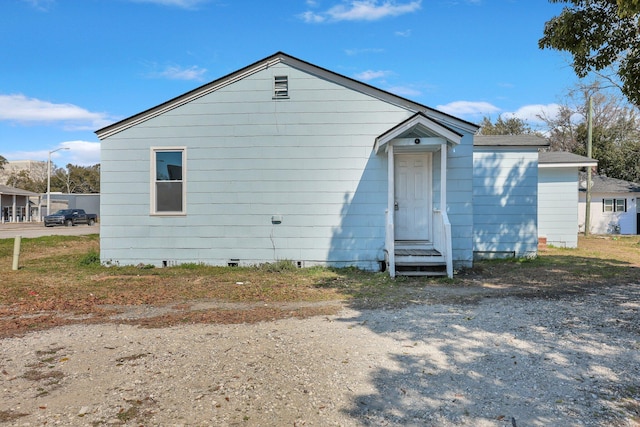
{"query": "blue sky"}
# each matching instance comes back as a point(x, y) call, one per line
point(70, 67)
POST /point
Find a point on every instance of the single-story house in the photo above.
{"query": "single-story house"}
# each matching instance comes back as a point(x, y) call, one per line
point(15, 205)
point(615, 207)
point(285, 160)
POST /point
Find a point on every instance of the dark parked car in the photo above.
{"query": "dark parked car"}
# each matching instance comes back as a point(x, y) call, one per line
point(70, 217)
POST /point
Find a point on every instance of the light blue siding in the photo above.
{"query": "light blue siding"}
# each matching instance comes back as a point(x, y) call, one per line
point(505, 194)
point(308, 159)
point(459, 205)
point(558, 206)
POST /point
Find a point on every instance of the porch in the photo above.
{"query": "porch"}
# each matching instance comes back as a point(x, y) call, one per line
point(418, 230)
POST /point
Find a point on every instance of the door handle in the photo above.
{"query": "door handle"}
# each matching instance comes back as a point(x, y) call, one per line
point(395, 206)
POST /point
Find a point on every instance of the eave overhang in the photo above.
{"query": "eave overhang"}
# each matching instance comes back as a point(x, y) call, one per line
point(418, 126)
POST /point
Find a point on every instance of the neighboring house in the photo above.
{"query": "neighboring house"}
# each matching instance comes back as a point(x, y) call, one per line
point(558, 197)
point(614, 205)
point(15, 205)
point(287, 160)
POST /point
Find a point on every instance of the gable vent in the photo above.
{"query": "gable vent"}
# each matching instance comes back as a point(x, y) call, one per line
point(280, 87)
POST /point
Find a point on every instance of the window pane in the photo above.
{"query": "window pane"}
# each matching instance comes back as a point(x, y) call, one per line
point(169, 197)
point(607, 205)
point(169, 165)
point(620, 205)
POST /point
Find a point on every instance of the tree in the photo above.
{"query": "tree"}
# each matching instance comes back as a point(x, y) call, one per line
point(628, 7)
point(33, 179)
point(3, 162)
point(78, 179)
point(510, 126)
point(616, 130)
point(600, 35)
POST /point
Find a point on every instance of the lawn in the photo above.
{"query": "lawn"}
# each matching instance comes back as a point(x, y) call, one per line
point(61, 281)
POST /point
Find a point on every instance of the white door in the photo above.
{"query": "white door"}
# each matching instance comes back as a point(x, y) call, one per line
point(412, 196)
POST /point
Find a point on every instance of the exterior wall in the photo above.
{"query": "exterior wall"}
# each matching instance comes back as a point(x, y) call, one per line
point(459, 195)
point(308, 159)
point(604, 222)
point(558, 206)
point(505, 202)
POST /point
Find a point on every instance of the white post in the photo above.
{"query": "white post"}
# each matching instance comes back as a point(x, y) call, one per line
point(443, 177)
point(391, 202)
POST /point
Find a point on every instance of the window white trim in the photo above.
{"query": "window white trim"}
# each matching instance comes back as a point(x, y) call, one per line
point(153, 207)
point(614, 205)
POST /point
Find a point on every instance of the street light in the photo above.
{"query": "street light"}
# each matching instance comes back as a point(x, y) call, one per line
point(49, 176)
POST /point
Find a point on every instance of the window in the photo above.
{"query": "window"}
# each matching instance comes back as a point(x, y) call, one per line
point(614, 205)
point(168, 192)
point(280, 87)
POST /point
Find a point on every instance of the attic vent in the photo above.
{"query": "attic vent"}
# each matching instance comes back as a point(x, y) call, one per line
point(280, 87)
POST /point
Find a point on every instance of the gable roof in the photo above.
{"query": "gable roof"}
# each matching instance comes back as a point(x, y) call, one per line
point(280, 57)
point(525, 140)
point(605, 184)
point(12, 191)
point(418, 125)
point(564, 159)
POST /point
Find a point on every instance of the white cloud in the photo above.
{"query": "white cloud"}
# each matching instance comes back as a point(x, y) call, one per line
point(179, 73)
point(372, 75)
point(405, 33)
point(468, 108)
point(81, 153)
point(18, 108)
point(184, 4)
point(361, 10)
point(404, 91)
point(531, 113)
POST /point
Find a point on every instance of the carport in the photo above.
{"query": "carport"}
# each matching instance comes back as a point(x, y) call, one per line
point(15, 204)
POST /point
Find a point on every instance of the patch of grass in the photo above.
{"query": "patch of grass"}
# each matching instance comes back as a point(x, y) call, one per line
point(91, 259)
point(278, 266)
point(62, 274)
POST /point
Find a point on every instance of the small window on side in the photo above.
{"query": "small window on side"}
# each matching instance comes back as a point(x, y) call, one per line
point(168, 186)
point(280, 87)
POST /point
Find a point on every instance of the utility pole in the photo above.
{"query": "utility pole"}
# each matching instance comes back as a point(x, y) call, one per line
point(587, 215)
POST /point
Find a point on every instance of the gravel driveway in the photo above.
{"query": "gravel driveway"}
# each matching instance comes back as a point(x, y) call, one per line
point(571, 361)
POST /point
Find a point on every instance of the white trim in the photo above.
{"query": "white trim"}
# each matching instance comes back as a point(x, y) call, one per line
point(443, 178)
point(393, 137)
point(152, 180)
point(567, 165)
point(390, 227)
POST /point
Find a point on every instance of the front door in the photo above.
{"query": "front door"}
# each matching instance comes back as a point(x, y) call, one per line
point(412, 196)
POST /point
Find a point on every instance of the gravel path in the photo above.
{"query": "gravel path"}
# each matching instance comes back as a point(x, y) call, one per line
point(572, 361)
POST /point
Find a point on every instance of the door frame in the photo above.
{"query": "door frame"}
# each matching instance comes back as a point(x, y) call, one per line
point(428, 188)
